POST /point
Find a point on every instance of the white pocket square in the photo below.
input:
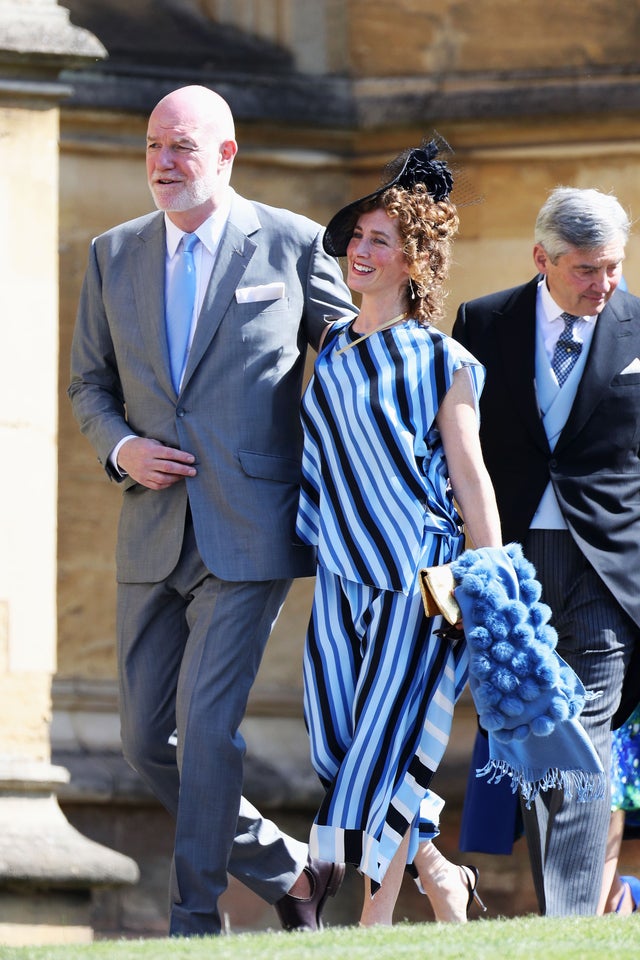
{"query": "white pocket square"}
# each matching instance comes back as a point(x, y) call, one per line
point(266, 291)
point(633, 367)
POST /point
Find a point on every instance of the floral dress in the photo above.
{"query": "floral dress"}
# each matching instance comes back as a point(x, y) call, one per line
point(625, 769)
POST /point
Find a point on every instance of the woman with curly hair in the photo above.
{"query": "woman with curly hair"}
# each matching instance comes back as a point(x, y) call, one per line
point(391, 464)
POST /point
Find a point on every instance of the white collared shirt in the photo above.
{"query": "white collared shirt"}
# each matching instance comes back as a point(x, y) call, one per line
point(209, 234)
point(551, 326)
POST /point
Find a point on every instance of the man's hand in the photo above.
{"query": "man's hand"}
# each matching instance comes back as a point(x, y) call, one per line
point(153, 465)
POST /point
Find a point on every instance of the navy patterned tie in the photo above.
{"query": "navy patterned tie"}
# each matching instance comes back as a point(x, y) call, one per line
point(181, 298)
point(567, 350)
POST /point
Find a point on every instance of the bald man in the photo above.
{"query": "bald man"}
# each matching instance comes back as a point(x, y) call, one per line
point(186, 373)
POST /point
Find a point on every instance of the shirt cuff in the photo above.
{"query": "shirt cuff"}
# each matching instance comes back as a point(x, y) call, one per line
point(113, 456)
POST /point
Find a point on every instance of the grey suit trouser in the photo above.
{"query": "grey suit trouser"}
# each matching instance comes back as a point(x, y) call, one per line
point(189, 649)
point(567, 839)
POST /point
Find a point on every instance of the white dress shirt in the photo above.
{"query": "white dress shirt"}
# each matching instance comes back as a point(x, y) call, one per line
point(549, 326)
point(548, 320)
point(204, 255)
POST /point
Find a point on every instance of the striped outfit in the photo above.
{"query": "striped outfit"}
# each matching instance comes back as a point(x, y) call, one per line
point(379, 686)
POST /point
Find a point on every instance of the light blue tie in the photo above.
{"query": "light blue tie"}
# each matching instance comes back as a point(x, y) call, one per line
point(181, 298)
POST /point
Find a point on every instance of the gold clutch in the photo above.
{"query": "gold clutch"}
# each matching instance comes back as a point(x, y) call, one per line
point(437, 585)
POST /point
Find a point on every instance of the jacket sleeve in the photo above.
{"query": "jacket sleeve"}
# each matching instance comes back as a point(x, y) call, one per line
point(327, 296)
point(459, 327)
point(95, 390)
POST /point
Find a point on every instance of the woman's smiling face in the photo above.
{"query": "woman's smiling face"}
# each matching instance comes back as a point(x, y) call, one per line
point(375, 261)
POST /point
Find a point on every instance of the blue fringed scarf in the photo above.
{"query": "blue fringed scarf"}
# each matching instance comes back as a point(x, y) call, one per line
point(528, 699)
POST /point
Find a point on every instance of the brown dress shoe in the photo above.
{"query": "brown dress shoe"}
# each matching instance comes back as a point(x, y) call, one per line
point(298, 913)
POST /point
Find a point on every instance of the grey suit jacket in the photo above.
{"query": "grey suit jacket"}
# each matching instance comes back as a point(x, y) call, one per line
point(238, 408)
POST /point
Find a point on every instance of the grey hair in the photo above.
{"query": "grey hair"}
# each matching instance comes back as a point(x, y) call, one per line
point(586, 219)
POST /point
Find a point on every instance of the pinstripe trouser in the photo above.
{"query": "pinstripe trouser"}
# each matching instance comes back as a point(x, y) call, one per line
point(567, 839)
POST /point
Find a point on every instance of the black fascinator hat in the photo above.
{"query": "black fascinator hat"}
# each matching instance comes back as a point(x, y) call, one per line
point(412, 166)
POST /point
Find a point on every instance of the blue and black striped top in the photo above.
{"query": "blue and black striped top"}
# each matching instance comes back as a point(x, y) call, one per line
point(375, 484)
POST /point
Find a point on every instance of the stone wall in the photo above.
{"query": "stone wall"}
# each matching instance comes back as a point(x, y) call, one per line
point(438, 39)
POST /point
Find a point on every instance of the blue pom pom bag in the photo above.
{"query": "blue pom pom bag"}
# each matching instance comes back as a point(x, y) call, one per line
point(527, 697)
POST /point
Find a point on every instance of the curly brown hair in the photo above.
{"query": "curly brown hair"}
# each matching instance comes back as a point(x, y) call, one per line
point(426, 229)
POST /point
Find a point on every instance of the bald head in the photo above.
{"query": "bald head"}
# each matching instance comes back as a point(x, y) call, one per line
point(190, 151)
point(196, 106)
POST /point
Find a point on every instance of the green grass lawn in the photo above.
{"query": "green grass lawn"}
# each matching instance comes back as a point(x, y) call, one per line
point(522, 938)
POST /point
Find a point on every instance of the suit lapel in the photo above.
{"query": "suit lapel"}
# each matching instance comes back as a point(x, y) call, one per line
point(516, 332)
point(232, 259)
point(148, 261)
point(612, 347)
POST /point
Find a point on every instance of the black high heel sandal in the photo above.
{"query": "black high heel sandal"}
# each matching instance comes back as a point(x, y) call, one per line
point(472, 875)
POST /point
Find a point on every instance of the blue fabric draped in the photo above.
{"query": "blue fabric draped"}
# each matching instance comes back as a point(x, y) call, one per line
point(527, 697)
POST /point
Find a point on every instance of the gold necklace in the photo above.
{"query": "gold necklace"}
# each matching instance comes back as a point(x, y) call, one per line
point(383, 326)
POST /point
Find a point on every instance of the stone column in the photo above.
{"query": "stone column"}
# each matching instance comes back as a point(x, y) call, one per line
point(47, 869)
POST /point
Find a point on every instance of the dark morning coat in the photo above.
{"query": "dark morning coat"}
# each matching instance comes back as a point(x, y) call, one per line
point(595, 466)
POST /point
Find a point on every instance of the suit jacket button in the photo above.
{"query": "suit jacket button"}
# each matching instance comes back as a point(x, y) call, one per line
point(180, 412)
point(553, 464)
